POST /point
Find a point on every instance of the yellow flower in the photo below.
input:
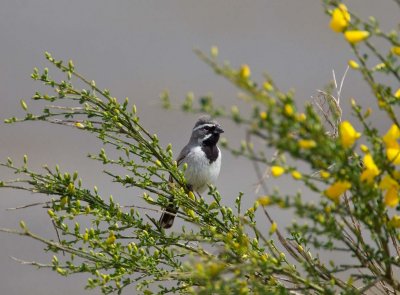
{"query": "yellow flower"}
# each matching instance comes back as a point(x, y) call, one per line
point(337, 189)
point(348, 135)
point(395, 221)
point(263, 116)
point(324, 174)
point(396, 50)
point(245, 71)
point(392, 197)
point(111, 239)
point(288, 110)
point(307, 143)
point(273, 228)
point(340, 19)
point(355, 36)
point(264, 201)
point(392, 187)
point(393, 154)
point(392, 146)
point(214, 51)
point(379, 67)
point(397, 93)
point(277, 171)
point(371, 170)
point(396, 175)
point(296, 175)
point(353, 64)
point(301, 117)
point(387, 182)
point(79, 125)
point(391, 136)
point(268, 86)
point(364, 148)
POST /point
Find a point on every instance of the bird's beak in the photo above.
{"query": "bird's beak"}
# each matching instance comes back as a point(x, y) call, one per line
point(218, 130)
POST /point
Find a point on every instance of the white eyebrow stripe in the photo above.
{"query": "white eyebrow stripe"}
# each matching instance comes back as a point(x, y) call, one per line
point(203, 125)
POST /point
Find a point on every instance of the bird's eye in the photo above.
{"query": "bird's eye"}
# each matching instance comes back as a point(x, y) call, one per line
point(208, 128)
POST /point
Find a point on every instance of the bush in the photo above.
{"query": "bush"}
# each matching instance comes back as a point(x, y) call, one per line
point(356, 185)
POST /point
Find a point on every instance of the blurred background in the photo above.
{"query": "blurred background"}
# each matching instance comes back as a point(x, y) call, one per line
point(138, 49)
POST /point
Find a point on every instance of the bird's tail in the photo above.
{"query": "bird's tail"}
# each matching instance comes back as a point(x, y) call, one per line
point(168, 216)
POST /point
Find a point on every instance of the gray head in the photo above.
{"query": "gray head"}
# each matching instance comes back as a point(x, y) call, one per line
point(206, 131)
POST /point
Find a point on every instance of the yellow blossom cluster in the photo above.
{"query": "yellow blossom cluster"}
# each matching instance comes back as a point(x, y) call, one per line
point(391, 186)
point(348, 135)
point(370, 169)
point(390, 140)
point(340, 18)
point(340, 21)
point(390, 183)
point(337, 189)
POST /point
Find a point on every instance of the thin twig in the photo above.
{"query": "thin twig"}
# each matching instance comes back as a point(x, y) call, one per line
point(29, 205)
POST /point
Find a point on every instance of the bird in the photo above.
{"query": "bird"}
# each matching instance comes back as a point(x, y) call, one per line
point(203, 159)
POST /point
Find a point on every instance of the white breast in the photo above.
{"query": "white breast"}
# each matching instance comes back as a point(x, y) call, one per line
point(200, 173)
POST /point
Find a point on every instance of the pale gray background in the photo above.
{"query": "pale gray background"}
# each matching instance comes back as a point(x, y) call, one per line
point(138, 49)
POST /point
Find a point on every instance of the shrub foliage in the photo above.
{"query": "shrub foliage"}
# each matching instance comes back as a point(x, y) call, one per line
point(352, 173)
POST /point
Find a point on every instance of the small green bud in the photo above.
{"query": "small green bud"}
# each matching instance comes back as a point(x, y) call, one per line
point(51, 213)
point(214, 51)
point(63, 201)
point(24, 105)
point(61, 271)
point(67, 177)
point(71, 65)
point(71, 188)
point(191, 213)
point(22, 225)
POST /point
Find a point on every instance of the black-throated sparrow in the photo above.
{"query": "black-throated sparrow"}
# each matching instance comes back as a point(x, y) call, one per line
point(203, 159)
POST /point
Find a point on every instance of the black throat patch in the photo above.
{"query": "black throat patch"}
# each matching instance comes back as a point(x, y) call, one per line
point(211, 152)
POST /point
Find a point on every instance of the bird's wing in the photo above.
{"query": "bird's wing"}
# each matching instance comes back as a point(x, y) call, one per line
point(182, 155)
